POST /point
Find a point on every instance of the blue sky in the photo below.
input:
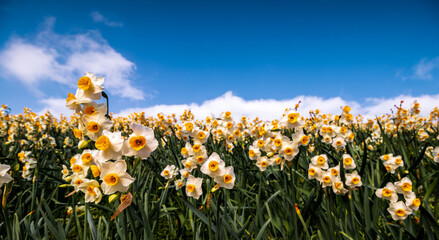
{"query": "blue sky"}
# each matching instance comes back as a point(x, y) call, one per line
point(176, 54)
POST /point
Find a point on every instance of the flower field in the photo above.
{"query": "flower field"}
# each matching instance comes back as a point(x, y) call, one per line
point(315, 176)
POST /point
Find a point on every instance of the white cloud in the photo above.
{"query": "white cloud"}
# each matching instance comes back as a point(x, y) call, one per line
point(99, 18)
point(64, 58)
point(269, 109)
point(423, 70)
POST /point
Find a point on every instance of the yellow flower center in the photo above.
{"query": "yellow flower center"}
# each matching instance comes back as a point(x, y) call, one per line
point(343, 129)
point(251, 152)
point(200, 159)
point(312, 171)
point(398, 160)
point(137, 142)
point(91, 190)
point(84, 83)
point(89, 110)
point(184, 151)
point(102, 143)
point(388, 168)
point(86, 158)
point(201, 135)
point(386, 157)
point(304, 140)
point(78, 182)
point(338, 185)
point(190, 187)
point(334, 172)
point(189, 126)
point(261, 143)
point(111, 179)
point(179, 184)
point(277, 142)
point(355, 180)
point(213, 165)
point(327, 179)
point(338, 142)
point(288, 151)
point(188, 164)
point(196, 148)
point(293, 117)
point(416, 202)
point(166, 172)
point(228, 178)
point(406, 187)
point(186, 174)
point(348, 161)
point(70, 97)
point(77, 168)
point(228, 114)
point(387, 192)
point(400, 212)
point(278, 160)
point(264, 164)
point(229, 125)
point(321, 160)
point(93, 127)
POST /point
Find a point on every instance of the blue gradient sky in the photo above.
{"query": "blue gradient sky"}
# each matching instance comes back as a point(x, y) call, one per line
point(191, 51)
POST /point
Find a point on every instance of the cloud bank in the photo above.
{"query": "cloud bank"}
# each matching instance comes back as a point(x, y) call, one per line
point(52, 57)
point(269, 109)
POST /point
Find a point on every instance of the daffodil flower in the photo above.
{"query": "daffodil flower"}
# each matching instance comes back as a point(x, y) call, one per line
point(114, 177)
point(399, 210)
point(141, 142)
point(193, 187)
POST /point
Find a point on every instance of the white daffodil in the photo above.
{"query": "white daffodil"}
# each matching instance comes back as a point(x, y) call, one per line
point(327, 179)
point(353, 180)
point(263, 162)
point(314, 172)
point(110, 145)
point(95, 124)
point(190, 163)
point(93, 108)
point(338, 187)
point(200, 136)
point(388, 192)
point(254, 152)
point(141, 142)
point(77, 180)
point(193, 187)
point(213, 166)
point(338, 143)
point(321, 161)
point(4, 176)
point(179, 184)
point(404, 186)
point(228, 179)
point(412, 201)
point(91, 190)
point(91, 86)
point(115, 178)
point(348, 162)
point(291, 119)
point(169, 172)
point(65, 172)
point(74, 101)
point(289, 150)
point(399, 210)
